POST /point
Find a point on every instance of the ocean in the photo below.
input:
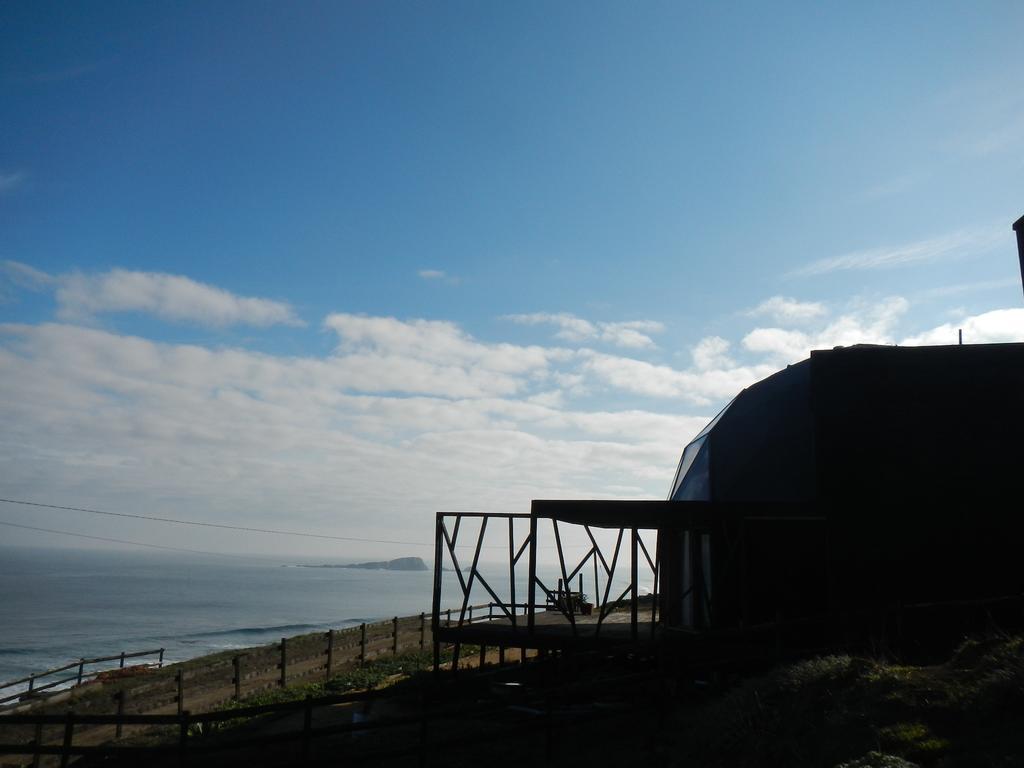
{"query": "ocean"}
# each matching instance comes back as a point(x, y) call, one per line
point(58, 605)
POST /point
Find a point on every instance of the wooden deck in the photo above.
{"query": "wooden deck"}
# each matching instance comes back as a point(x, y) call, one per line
point(552, 629)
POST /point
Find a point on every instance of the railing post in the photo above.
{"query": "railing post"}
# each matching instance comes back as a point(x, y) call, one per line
point(284, 661)
point(118, 728)
point(180, 679)
point(362, 644)
point(31, 683)
point(160, 663)
point(81, 671)
point(183, 737)
point(330, 653)
point(236, 665)
point(634, 600)
point(394, 636)
point(69, 729)
point(307, 727)
point(122, 659)
point(531, 599)
point(37, 742)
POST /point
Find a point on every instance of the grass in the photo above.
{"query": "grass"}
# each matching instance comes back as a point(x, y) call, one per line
point(376, 674)
point(854, 713)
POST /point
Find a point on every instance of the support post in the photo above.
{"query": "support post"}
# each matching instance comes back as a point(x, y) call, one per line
point(180, 679)
point(37, 742)
point(69, 730)
point(118, 728)
point(307, 727)
point(183, 737)
point(284, 661)
point(634, 601)
point(435, 606)
point(512, 568)
point(532, 586)
point(330, 654)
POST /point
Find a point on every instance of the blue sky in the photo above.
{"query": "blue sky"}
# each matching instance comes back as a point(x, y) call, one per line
point(258, 258)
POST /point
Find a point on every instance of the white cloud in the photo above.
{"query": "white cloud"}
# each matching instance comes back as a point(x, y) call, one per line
point(700, 387)
point(11, 181)
point(712, 352)
point(24, 276)
point(438, 275)
point(865, 324)
point(228, 434)
point(959, 243)
point(171, 297)
point(631, 334)
point(785, 310)
point(1000, 325)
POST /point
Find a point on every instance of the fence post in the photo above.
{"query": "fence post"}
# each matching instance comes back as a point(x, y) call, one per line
point(31, 683)
point(180, 679)
point(182, 737)
point(362, 644)
point(394, 639)
point(118, 728)
point(423, 631)
point(122, 659)
point(424, 732)
point(65, 752)
point(307, 726)
point(36, 743)
point(330, 652)
point(81, 671)
point(284, 661)
point(236, 663)
point(160, 663)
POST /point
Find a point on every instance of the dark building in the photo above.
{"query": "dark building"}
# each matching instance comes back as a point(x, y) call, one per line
point(864, 493)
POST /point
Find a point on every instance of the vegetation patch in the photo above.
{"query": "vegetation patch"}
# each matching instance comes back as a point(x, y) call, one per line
point(854, 713)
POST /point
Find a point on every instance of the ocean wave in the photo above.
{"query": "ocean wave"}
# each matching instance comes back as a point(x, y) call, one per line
point(286, 629)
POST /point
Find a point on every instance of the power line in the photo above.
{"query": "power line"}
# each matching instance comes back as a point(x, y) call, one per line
point(246, 528)
point(125, 541)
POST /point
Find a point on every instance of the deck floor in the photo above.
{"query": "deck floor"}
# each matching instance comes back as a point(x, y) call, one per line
point(552, 629)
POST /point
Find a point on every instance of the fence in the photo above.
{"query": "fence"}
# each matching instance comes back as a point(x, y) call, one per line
point(208, 682)
point(78, 678)
point(189, 728)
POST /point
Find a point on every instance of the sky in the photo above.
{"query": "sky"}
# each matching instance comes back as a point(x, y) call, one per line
point(333, 267)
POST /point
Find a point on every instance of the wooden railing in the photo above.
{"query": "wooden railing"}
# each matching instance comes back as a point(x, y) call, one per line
point(81, 675)
point(629, 553)
point(54, 734)
point(213, 681)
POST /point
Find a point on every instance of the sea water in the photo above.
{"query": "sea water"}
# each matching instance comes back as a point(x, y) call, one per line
point(59, 605)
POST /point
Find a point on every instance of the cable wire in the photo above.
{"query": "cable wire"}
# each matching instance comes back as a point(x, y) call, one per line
point(224, 526)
